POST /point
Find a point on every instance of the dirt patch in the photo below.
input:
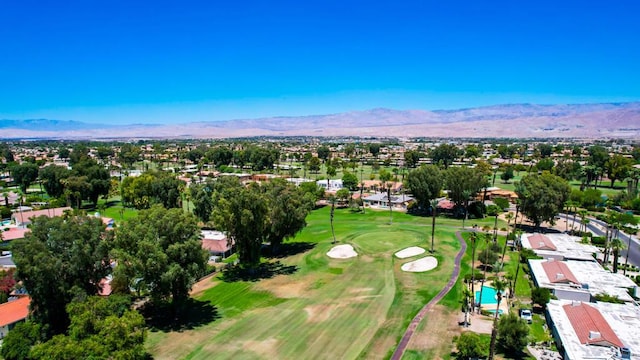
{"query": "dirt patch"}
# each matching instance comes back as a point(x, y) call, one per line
point(266, 348)
point(436, 332)
point(320, 313)
point(283, 287)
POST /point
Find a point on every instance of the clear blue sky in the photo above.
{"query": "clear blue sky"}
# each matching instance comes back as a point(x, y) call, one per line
point(179, 61)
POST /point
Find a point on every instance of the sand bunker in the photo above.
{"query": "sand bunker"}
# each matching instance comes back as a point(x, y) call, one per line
point(409, 252)
point(421, 265)
point(342, 252)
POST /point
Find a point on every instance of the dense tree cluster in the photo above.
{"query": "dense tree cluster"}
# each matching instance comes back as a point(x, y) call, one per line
point(542, 197)
point(258, 213)
point(151, 188)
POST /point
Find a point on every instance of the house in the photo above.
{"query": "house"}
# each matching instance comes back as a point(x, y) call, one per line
point(595, 330)
point(13, 312)
point(216, 243)
point(580, 280)
point(330, 184)
point(559, 247)
point(382, 200)
point(23, 218)
point(13, 233)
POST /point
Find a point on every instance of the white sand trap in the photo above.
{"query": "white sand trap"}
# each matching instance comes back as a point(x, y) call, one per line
point(421, 265)
point(409, 252)
point(342, 252)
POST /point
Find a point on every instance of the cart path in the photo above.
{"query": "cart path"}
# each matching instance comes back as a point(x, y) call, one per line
point(402, 346)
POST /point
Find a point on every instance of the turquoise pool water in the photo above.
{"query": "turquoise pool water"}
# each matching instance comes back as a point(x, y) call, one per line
point(488, 296)
point(6, 222)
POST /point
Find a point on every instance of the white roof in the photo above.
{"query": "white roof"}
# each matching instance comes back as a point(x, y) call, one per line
point(597, 279)
point(213, 235)
point(624, 320)
point(568, 247)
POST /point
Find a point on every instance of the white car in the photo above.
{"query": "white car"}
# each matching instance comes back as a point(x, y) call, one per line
point(525, 314)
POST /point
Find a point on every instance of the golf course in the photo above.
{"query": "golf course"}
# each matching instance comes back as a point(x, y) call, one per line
point(308, 305)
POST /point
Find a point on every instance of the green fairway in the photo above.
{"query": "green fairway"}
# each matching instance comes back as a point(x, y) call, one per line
point(328, 308)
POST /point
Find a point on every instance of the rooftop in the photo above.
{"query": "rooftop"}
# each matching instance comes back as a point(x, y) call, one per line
point(14, 311)
point(567, 247)
point(578, 326)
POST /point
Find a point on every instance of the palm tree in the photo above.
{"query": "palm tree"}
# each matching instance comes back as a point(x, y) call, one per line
point(487, 240)
point(332, 200)
point(467, 295)
point(509, 217)
point(434, 206)
point(512, 292)
point(616, 245)
point(499, 285)
point(385, 178)
point(473, 237)
point(466, 194)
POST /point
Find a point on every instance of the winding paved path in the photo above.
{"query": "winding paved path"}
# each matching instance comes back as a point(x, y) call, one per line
point(402, 346)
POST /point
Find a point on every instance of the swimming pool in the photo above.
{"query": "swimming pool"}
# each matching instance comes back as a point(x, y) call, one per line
point(5, 223)
point(488, 296)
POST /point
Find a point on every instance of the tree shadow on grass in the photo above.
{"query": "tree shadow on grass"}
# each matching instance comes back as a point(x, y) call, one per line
point(532, 229)
point(194, 313)
point(264, 270)
point(288, 249)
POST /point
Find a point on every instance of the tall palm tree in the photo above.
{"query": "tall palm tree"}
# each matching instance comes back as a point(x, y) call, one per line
point(474, 238)
point(467, 296)
point(512, 291)
point(616, 245)
point(499, 285)
point(434, 207)
point(332, 200)
point(487, 240)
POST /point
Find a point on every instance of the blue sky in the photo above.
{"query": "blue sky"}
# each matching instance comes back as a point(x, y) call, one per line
point(180, 61)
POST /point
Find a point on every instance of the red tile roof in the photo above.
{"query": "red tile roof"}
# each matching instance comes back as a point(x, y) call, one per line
point(26, 216)
point(559, 272)
point(13, 234)
point(541, 242)
point(446, 204)
point(216, 246)
point(105, 287)
point(590, 326)
point(14, 311)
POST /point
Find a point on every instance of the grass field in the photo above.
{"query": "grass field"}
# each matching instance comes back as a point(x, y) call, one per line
point(348, 309)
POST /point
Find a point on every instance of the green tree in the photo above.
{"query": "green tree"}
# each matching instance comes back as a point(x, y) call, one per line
point(444, 154)
point(617, 167)
point(425, 183)
point(53, 177)
point(24, 175)
point(129, 154)
point(288, 208)
point(411, 158)
point(101, 328)
point(470, 345)
point(512, 333)
point(17, 344)
point(242, 212)
point(540, 296)
point(96, 176)
point(374, 149)
point(464, 183)
point(202, 196)
point(314, 165)
point(507, 174)
point(350, 181)
point(162, 249)
point(323, 152)
point(542, 196)
point(57, 260)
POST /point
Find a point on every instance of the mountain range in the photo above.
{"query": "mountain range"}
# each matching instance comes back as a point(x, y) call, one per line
point(604, 120)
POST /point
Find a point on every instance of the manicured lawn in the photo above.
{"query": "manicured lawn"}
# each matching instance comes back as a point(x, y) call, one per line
point(327, 308)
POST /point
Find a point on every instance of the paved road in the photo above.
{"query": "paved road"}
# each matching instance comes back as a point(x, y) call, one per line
point(596, 226)
point(402, 346)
